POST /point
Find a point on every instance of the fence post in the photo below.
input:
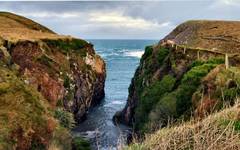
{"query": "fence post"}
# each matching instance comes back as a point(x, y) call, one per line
point(198, 54)
point(184, 50)
point(226, 61)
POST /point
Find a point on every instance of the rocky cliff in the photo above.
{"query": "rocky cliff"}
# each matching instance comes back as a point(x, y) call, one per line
point(191, 72)
point(42, 71)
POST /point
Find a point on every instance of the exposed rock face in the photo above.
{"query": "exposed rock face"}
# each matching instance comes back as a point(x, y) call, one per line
point(65, 70)
point(53, 70)
point(168, 79)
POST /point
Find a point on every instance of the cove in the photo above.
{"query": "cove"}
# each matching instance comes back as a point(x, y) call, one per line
point(122, 58)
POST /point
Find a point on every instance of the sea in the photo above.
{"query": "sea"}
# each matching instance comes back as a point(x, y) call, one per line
point(122, 58)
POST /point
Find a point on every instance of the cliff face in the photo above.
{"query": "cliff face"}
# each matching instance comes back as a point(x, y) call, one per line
point(184, 74)
point(65, 71)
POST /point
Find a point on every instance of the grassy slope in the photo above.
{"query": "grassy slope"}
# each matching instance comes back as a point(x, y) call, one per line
point(26, 120)
point(223, 36)
point(24, 113)
point(14, 27)
point(218, 131)
point(27, 23)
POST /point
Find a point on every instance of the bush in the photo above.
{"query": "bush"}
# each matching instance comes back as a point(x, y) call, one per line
point(80, 144)
point(67, 45)
point(210, 61)
point(45, 60)
point(147, 53)
point(162, 113)
point(160, 103)
point(65, 118)
point(189, 84)
point(62, 139)
point(67, 81)
point(161, 55)
point(150, 97)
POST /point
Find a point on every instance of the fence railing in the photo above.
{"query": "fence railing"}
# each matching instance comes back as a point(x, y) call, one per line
point(186, 48)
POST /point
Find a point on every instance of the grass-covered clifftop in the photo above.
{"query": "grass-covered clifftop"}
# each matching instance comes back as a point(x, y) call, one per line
point(47, 84)
point(185, 75)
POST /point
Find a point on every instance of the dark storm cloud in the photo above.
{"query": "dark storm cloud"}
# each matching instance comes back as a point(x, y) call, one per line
point(127, 19)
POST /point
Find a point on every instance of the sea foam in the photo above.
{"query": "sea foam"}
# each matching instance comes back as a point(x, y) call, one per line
point(137, 54)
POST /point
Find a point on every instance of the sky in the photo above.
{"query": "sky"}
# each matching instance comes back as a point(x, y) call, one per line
point(122, 19)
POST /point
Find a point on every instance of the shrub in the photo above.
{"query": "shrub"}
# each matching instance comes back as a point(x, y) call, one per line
point(162, 113)
point(67, 45)
point(62, 139)
point(147, 53)
point(67, 81)
point(150, 97)
point(45, 60)
point(80, 144)
point(161, 55)
point(210, 61)
point(160, 103)
point(65, 118)
point(231, 94)
point(189, 84)
point(23, 112)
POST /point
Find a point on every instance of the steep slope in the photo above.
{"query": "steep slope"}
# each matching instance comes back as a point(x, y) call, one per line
point(45, 75)
point(218, 131)
point(26, 121)
point(64, 69)
point(192, 71)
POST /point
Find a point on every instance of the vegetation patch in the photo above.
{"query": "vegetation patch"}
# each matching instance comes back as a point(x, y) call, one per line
point(161, 55)
point(150, 97)
point(167, 99)
point(214, 132)
point(147, 53)
point(81, 144)
point(69, 45)
point(22, 112)
point(45, 60)
point(65, 118)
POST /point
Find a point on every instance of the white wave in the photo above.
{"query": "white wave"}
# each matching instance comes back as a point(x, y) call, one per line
point(89, 134)
point(117, 102)
point(137, 54)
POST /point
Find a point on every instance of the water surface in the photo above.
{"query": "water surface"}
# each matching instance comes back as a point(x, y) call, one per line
point(122, 58)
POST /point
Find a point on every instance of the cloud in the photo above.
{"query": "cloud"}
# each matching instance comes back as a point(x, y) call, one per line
point(46, 15)
point(120, 20)
point(225, 3)
point(230, 2)
point(98, 20)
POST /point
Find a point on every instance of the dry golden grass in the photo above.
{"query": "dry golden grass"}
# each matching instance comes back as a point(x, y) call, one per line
point(218, 131)
point(221, 35)
point(14, 27)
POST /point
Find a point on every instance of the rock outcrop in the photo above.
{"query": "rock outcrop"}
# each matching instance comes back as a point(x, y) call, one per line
point(62, 71)
point(176, 77)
